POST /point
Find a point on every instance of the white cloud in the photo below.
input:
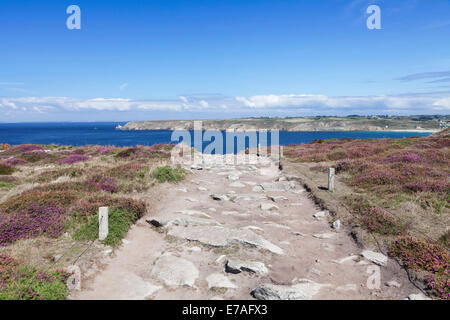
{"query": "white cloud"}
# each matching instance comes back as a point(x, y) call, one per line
point(257, 105)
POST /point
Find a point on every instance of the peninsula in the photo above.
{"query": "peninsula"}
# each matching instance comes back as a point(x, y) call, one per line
point(319, 123)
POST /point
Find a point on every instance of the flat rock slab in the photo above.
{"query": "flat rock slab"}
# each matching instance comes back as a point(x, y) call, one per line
point(237, 266)
point(237, 185)
point(180, 221)
point(218, 280)
point(305, 290)
point(268, 206)
point(174, 271)
point(276, 186)
point(220, 237)
point(375, 257)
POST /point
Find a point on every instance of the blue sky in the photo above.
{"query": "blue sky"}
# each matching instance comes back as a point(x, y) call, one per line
point(138, 60)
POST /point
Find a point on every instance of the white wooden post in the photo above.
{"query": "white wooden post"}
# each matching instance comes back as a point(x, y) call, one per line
point(281, 151)
point(102, 223)
point(331, 179)
point(259, 150)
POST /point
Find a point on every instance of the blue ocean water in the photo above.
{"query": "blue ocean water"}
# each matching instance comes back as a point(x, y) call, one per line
point(104, 133)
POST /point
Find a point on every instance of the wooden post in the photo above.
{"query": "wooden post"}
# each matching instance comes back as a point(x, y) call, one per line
point(102, 223)
point(258, 151)
point(331, 179)
point(281, 151)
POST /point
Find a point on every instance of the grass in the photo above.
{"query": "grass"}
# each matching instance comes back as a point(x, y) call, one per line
point(22, 282)
point(119, 221)
point(169, 174)
point(6, 185)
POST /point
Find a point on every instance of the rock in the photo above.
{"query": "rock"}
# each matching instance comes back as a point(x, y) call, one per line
point(174, 271)
point(253, 228)
point(202, 189)
point(180, 221)
point(197, 167)
point(218, 236)
point(125, 241)
point(319, 214)
point(419, 296)
point(217, 280)
point(107, 252)
point(250, 198)
point(56, 257)
point(212, 209)
point(250, 183)
point(393, 283)
point(296, 233)
point(323, 235)
point(233, 177)
point(236, 266)
point(151, 289)
point(276, 186)
point(345, 259)
point(278, 198)
point(348, 287)
point(194, 249)
point(375, 257)
point(195, 213)
point(191, 200)
point(182, 189)
point(305, 290)
point(314, 271)
point(268, 207)
point(237, 185)
point(219, 198)
point(336, 225)
point(219, 259)
point(257, 189)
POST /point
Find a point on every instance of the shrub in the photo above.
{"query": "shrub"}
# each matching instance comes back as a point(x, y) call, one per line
point(380, 221)
point(101, 183)
point(60, 199)
point(425, 255)
point(169, 174)
point(89, 206)
point(126, 152)
point(31, 222)
point(27, 283)
point(74, 158)
point(13, 161)
point(6, 170)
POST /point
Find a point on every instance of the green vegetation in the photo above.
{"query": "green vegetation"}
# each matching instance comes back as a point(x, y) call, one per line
point(119, 221)
point(27, 283)
point(6, 170)
point(169, 174)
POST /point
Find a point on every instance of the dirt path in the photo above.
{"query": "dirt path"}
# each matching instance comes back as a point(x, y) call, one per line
point(263, 227)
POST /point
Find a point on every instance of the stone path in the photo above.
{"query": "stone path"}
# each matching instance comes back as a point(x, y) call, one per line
point(240, 232)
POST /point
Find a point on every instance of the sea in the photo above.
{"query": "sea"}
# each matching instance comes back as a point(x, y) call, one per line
point(105, 133)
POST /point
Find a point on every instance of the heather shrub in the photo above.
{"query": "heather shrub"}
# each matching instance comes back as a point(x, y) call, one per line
point(31, 222)
point(6, 170)
point(74, 158)
point(425, 255)
point(380, 221)
point(4, 146)
point(27, 283)
point(50, 175)
point(13, 161)
point(128, 171)
point(33, 156)
point(89, 206)
point(101, 183)
point(61, 199)
point(168, 174)
point(128, 152)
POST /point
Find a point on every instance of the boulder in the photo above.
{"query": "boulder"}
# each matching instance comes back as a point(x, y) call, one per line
point(174, 271)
